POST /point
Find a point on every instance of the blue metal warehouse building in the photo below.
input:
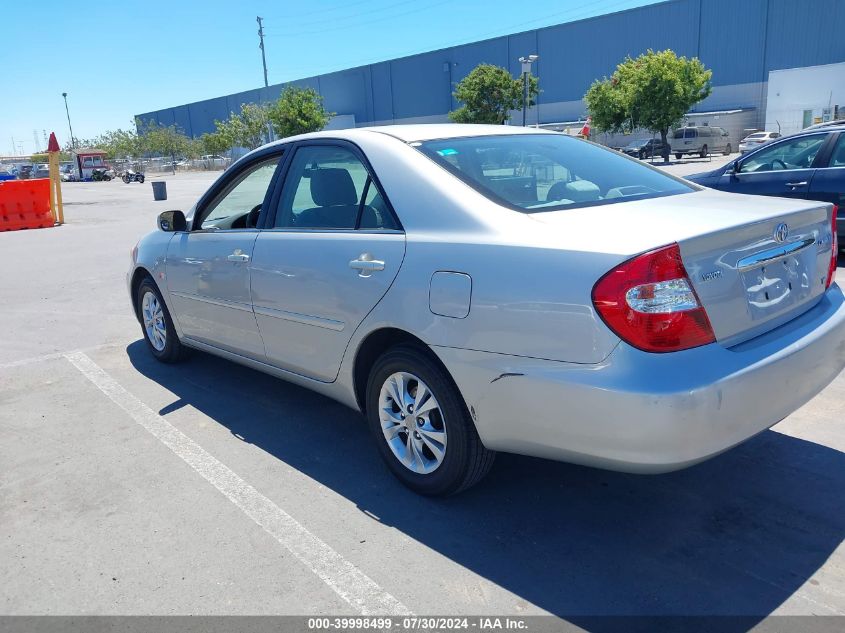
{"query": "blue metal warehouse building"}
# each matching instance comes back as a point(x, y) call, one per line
point(742, 41)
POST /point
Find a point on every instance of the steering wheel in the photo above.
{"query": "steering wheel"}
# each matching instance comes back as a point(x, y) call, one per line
point(252, 217)
point(778, 160)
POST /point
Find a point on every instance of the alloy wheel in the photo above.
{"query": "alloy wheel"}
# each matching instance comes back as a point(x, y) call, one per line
point(412, 423)
point(154, 324)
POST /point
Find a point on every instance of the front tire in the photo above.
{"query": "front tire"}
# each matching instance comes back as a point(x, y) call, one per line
point(421, 424)
point(157, 324)
point(126, 178)
point(728, 150)
point(678, 156)
point(141, 179)
point(704, 152)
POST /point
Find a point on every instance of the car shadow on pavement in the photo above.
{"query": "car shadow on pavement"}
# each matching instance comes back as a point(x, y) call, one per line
point(737, 535)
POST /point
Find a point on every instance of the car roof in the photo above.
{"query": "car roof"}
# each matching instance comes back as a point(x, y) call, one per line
point(421, 132)
point(824, 124)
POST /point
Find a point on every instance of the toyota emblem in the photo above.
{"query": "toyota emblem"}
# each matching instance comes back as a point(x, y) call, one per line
point(781, 232)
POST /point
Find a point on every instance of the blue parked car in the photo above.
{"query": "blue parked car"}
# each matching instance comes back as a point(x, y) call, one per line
point(809, 165)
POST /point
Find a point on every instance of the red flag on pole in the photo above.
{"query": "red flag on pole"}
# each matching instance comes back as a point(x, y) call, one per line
point(53, 145)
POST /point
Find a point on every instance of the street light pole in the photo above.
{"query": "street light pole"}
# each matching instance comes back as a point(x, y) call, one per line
point(526, 74)
point(72, 142)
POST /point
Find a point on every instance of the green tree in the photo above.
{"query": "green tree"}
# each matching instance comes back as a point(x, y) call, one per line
point(248, 128)
point(164, 140)
point(653, 91)
point(119, 143)
point(298, 111)
point(214, 143)
point(489, 94)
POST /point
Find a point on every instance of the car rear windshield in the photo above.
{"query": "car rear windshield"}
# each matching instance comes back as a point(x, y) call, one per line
point(755, 136)
point(546, 172)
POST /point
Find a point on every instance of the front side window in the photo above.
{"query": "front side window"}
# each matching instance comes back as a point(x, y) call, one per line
point(796, 153)
point(239, 205)
point(328, 187)
point(543, 172)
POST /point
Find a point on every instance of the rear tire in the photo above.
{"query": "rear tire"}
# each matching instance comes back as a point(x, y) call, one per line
point(678, 156)
point(157, 324)
point(439, 452)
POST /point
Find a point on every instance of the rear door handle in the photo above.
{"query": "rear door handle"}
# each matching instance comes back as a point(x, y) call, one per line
point(366, 265)
point(797, 184)
point(238, 256)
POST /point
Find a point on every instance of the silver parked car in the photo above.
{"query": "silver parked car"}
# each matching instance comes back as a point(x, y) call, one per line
point(755, 140)
point(474, 289)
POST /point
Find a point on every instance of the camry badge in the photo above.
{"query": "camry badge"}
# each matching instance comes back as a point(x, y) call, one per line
point(781, 232)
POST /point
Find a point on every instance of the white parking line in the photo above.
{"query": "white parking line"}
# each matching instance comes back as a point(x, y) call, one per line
point(346, 580)
point(40, 359)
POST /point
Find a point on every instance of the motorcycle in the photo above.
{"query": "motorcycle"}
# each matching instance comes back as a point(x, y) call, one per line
point(98, 174)
point(132, 176)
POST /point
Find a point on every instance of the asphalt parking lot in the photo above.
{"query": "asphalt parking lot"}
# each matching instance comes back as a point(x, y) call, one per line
point(132, 487)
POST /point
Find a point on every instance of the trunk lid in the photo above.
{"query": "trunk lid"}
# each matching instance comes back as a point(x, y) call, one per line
point(750, 273)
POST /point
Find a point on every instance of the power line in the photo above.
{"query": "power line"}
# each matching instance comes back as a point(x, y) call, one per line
point(351, 26)
point(357, 14)
point(589, 12)
point(325, 9)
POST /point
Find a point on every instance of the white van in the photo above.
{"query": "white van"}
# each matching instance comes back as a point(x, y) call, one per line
point(702, 140)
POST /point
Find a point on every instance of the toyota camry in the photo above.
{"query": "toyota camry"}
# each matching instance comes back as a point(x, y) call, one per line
point(474, 289)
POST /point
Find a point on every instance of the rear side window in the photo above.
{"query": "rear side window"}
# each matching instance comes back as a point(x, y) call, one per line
point(690, 133)
point(328, 187)
point(543, 172)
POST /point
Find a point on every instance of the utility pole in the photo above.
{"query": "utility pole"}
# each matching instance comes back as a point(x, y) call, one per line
point(261, 46)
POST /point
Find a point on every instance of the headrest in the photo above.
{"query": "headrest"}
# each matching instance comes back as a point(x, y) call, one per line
point(332, 186)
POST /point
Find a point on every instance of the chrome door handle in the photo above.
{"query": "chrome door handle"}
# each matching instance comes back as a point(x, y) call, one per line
point(797, 184)
point(237, 256)
point(366, 265)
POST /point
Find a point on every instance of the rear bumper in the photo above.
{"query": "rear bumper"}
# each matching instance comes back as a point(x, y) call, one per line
point(641, 412)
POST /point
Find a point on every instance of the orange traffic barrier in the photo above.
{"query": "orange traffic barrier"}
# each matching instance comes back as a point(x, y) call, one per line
point(25, 204)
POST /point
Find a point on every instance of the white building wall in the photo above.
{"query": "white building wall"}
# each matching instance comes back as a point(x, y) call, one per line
point(798, 97)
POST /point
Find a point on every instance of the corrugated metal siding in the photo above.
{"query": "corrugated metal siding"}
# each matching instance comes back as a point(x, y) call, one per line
point(805, 33)
point(576, 54)
point(740, 40)
point(420, 85)
point(733, 40)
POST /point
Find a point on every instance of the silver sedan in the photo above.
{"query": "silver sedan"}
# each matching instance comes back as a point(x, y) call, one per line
point(473, 289)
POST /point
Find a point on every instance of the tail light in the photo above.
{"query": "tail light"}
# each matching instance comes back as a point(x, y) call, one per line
point(649, 302)
point(831, 271)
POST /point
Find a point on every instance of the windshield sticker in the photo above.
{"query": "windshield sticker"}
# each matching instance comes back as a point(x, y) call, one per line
point(447, 152)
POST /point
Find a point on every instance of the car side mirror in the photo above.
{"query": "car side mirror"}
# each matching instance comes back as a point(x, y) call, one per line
point(172, 221)
point(736, 167)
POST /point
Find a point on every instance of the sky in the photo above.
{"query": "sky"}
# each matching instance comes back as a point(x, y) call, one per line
point(146, 55)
